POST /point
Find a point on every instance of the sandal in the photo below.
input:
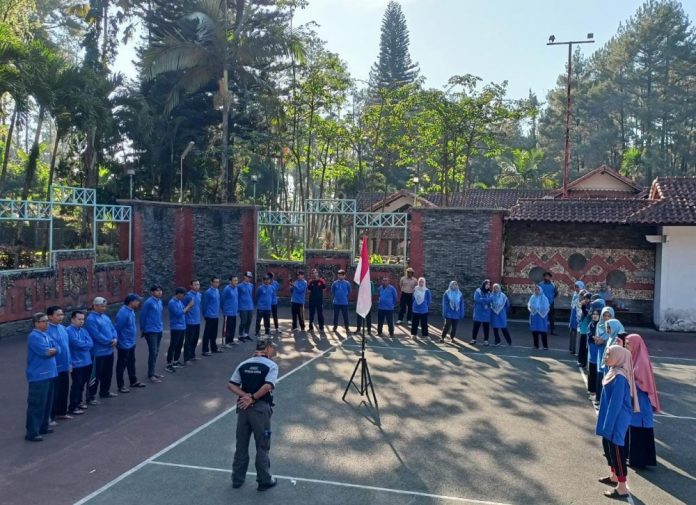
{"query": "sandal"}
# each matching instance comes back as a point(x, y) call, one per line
point(608, 481)
point(615, 495)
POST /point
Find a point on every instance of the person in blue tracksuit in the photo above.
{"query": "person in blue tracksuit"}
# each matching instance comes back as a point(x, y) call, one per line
point(298, 293)
point(81, 360)
point(274, 306)
point(602, 339)
point(264, 302)
point(177, 328)
point(61, 384)
point(385, 306)
point(584, 317)
point(499, 307)
point(482, 312)
point(103, 334)
point(340, 289)
point(151, 326)
point(575, 312)
point(551, 292)
point(127, 334)
point(230, 310)
point(41, 371)
point(538, 306)
point(245, 291)
point(193, 321)
point(452, 310)
point(619, 400)
point(211, 313)
point(421, 307)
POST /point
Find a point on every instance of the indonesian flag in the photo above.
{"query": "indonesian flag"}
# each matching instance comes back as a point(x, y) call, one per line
point(362, 278)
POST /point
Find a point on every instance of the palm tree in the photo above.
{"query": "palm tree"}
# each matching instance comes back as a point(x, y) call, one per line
point(523, 170)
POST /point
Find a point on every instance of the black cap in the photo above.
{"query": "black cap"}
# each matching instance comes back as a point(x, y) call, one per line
point(155, 287)
point(179, 291)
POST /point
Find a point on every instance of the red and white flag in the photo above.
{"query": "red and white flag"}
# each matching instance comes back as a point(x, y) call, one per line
point(362, 278)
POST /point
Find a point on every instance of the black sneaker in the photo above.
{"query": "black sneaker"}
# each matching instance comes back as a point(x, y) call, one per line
point(206, 353)
point(108, 395)
point(170, 369)
point(177, 364)
point(473, 341)
point(311, 328)
point(263, 486)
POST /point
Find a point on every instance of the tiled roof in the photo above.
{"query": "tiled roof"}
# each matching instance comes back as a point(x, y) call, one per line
point(673, 201)
point(576, 211)
point(486, 198)
point(602, 169)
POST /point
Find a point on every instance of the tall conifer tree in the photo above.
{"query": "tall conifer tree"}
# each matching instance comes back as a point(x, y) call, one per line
point(394, 67)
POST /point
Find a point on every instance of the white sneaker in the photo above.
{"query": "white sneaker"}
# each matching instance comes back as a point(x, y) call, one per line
point(399, 321)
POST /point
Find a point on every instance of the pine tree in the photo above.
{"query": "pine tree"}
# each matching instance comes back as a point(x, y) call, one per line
point(394, 67)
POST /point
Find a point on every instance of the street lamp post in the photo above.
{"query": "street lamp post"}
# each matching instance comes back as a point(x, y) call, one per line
point(416, 181)
point(131, 173)
point(254, 180)
point(181, 184)
point(566, 156)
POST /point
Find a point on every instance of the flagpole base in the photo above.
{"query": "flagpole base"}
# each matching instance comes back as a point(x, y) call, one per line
point(365, 388)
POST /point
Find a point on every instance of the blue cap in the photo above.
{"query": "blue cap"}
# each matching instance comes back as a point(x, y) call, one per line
point(131, 298)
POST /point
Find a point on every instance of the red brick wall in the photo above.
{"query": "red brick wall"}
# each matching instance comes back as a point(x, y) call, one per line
point(138, 259)
point(248, 240)
point(416, 252)
point(183, 254)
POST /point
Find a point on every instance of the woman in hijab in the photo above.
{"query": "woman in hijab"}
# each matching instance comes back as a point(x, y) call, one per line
point(421, 307)
point(601, 337)
point(538, 307)
point(499, 308)
point(575, 311)
point(482, 312)
point(452, 310)
point(584, 318)
point(619, 400)
point(640, 440)
point(592, 354)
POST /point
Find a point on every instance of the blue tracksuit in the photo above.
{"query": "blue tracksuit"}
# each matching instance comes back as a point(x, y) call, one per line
point(59, 335)
point(422, 308)
point(549, 289)
point(298, 291)
point(125, 327)
point(102, 332)
point(211, 303)
point(193, 316)
point(80, 346)
point(387, 297)
point(482, 306)
point(644, 418)
point(245, 291)
point(177, 318)
point(40, 366)
point(230, 301)
point(151, 316)
point(276, 288)
point(448, 312)
point(615, 411)
point(341, 291)
point(264, 297)
point(500, 320)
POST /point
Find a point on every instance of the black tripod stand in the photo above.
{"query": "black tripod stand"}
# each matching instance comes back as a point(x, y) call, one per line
point(365, 377)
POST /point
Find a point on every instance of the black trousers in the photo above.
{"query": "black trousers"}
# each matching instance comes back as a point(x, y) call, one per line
point(450, 324)
point(176, 342)
point(364, 321)
point(599, 386)
point(210, 334)
point(103, 372)
point(297, 310)
point(387, 314)
point(405, 306)
point(125, 360)
point(552, 320)
point(61, 391)
point(573, 341)
point(421, 319)
point(230, 327)
point(506, 334)
point(193, 332)
point(544, 339)
point(582, 350)
point(616, 458)
point(592, 378)
point(274, 314)
point(486, 330)
point(245, 322)
point(80, 378)
point(318, 308)
point(343, 309)
point(266, 316)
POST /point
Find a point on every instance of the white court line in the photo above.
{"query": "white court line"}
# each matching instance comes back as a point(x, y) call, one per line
point(342, 484)
point(189, 435)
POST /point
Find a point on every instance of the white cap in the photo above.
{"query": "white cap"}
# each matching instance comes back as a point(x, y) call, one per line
point(99, 301)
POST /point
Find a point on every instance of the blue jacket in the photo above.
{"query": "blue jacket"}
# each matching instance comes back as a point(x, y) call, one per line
point(387, 297)
point(230, 301)
point(193, 316)
point(211, 303)
point(59, 335)
point(40, 366)
point(151, 316)
point(482, 306)
point(422, 308)
point(102, 331)
point(549, 289)
point(298, 291)
point(80, 346)
point(245, 290)
point(264, 297)
point(276, 288)
point(448, 312)
point(499, 320)
point(340, 290)
point(615, 411)
point(125, 327)
point(644, 418)
point(177, 318)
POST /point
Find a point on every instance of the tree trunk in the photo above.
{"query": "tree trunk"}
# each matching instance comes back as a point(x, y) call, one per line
point(6, 154)
point(52, 169)
point(89, 158)
point(33, 156)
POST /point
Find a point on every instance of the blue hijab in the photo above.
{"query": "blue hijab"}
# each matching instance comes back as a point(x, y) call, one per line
point(498, 299)
point(615, 328)
point(601, 324)
point(454, 295)
point(538, 303)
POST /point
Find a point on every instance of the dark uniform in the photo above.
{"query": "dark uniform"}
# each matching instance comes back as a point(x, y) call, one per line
point(251, 375)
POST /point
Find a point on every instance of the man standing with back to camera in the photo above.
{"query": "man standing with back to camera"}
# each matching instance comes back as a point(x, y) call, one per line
point(253, 381)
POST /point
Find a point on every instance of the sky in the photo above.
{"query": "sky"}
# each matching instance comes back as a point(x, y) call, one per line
point(496, 40)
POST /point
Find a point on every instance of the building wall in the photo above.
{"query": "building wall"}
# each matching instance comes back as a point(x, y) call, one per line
point(598, 255)
point(675, 300)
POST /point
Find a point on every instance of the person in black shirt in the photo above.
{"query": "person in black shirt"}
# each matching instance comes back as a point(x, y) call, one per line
point(253, 381)
point(316, 288)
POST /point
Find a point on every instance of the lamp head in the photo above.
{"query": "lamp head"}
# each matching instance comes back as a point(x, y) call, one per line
point(590, 35)
point(552, 38)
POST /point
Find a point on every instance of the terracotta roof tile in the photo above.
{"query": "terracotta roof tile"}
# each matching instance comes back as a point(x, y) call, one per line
point(486, 198)
point(576, 211)
point(673, 201)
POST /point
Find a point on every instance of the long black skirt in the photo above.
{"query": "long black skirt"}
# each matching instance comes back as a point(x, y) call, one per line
point(640, 443)
point(592, 378)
